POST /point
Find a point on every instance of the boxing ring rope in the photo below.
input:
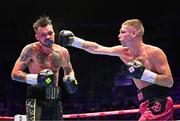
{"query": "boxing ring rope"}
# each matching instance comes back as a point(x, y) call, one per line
point(86, 115)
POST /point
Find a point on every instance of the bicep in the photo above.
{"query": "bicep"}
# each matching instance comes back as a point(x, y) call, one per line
point(22, 63)
point(18, 73)
point(161, 64)
point(119, 51)
point(164, 77)
point(24, 59)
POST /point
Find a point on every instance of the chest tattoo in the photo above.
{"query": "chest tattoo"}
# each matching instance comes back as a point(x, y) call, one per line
point(56, 59)
point(43, 59)
point(53, 60)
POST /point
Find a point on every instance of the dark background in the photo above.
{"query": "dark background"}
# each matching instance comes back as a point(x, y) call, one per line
point(102, 84)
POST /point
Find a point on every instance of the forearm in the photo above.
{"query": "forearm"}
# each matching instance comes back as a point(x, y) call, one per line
point(44, 78)
point(70, 73)
point(152, 77)
point(19, 76)
point(88, 46)
point(164, 80)
point(91, 47)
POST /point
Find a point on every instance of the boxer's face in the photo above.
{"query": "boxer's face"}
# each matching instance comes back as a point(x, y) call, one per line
point(125, 35)
point(45, 35)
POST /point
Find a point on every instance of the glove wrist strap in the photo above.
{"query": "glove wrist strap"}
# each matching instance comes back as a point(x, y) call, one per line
point(31, 78)
point(149, 76)
point(78, 42)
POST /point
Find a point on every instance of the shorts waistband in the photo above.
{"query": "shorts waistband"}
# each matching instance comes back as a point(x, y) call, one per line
point(152, 91)
point(43, 93)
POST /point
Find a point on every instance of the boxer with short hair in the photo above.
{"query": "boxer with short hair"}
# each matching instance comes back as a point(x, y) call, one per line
point(44, 59)
point(147, 65)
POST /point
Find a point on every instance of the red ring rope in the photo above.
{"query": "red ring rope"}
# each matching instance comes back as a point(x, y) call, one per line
point(85, 115)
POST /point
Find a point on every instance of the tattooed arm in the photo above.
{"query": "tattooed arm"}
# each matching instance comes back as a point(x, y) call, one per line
point(69, 80)
point(66, 64)
point(21, 64)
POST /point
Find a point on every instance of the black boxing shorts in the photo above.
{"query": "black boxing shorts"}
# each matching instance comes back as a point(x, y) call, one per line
point(43, 103)
point(155, 104)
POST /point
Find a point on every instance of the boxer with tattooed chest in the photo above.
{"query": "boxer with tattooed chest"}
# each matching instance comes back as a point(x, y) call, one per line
point(44, 59)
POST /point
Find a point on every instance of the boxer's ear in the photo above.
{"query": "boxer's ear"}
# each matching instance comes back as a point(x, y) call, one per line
point(36, 36)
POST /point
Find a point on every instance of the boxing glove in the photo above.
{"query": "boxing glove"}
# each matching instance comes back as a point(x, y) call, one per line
point(69, 39)
point(136, 69)
point(70, 84)
point(44, 78)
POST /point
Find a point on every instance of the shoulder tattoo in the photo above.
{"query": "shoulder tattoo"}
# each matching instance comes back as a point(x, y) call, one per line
point(26, 53)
